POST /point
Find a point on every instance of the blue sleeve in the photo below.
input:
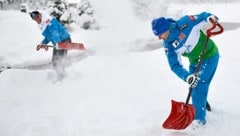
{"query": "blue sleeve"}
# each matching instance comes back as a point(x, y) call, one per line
point(204, 15)
point(194, 19)
point(200, 17)
point(175, 64)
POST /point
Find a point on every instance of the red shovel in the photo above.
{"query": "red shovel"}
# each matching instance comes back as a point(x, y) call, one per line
point(63, 46)
point(182, 114)
point(71, 46)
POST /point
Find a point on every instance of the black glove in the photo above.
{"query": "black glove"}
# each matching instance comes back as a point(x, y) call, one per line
point(192, 80)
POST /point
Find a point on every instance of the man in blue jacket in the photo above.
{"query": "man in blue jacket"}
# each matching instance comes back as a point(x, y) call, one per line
point(185, 37)
point(53, 32)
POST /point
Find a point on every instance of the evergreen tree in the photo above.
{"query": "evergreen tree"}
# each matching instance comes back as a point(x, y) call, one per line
point(1, 4)
point(67, 17)
point(57, 9)
point(85, 13)
point(84, 7)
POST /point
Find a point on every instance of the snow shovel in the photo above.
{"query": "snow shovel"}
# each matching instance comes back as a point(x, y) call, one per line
point(63, 46)
point(182, 114)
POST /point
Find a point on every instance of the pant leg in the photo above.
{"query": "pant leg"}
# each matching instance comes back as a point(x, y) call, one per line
point(58, 59)
point(200, 92)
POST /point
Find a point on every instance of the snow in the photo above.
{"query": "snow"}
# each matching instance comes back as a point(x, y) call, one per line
point(119, 89)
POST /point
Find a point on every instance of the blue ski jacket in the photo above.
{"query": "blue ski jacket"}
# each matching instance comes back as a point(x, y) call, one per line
point(186, 38)
point(54, 32)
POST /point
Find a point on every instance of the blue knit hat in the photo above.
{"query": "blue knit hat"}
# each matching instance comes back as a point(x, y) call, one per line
point(160, 25)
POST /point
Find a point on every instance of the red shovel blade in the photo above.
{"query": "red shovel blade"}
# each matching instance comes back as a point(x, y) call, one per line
point(71, 46)
point(180, 117)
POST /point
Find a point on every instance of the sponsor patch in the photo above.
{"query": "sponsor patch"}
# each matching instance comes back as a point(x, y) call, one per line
point(175, 43)
point(181, 36)
point(181, 27)
point(192, 18)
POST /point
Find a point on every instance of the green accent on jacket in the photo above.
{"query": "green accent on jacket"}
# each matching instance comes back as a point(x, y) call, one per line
point(194, 55)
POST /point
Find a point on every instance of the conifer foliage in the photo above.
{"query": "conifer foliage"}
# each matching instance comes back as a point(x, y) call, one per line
point(57, 8)
point(86, 16)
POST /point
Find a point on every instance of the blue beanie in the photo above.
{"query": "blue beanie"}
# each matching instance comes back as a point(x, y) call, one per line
point(160, 25)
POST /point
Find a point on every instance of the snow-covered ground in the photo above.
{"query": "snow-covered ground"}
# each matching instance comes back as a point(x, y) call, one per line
point(121, 88)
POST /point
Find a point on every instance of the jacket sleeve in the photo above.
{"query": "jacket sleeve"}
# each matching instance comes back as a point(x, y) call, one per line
point(200, 17)
point(175, 64)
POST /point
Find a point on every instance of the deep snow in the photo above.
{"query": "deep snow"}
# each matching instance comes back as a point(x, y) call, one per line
point(121, 88)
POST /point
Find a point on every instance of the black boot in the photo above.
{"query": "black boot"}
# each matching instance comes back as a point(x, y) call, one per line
point(208, 107)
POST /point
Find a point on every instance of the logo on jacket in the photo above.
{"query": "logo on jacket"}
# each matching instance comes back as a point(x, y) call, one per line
point(181, 36)
point(175, 43)
point(181, 27)
point(192, 18)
